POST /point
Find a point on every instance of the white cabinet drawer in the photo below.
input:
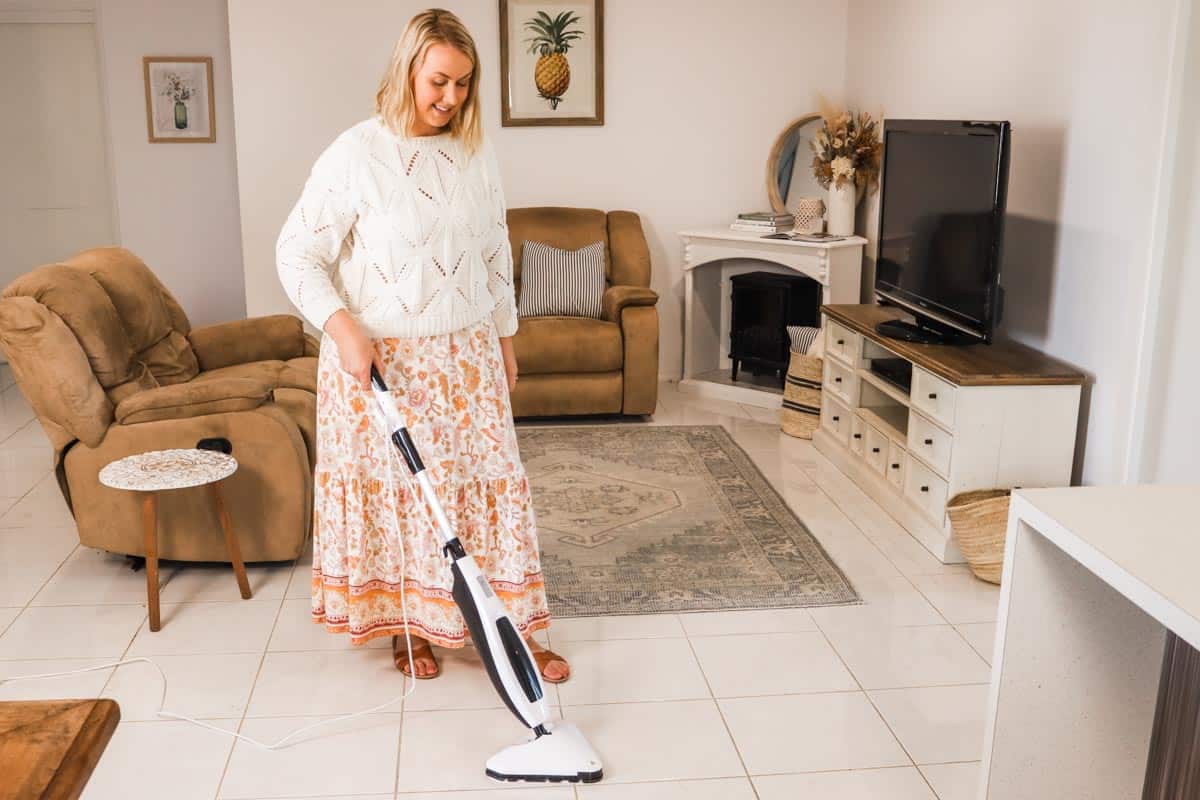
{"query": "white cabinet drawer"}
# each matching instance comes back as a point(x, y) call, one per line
point(925, 490)
point(841, 342)
point(835, 418)
point(858, 435)
point(930, 443)
point(841, 381)
point(933, 396)
point(876, 451)
point(896, 464)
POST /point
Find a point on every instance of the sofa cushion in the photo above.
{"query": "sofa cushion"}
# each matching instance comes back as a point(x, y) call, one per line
point(561, 282)
point(567, 344)
point(295, 373)
point(154, 322)
point(193, 399)
point(265, 371)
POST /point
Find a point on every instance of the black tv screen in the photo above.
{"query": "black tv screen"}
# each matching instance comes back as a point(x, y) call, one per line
point(941, 220)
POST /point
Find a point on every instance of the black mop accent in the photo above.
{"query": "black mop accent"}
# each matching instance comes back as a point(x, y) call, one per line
point(462, 596)
point(400, 437)
point(578, 777)
point(523, 667)
point(405, 443)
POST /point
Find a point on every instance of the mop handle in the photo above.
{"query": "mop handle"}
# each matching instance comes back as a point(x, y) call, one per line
point(396, 423)
point(405, 444)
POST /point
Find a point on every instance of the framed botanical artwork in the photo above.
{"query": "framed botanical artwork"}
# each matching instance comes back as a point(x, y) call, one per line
point(179, 99)
point(552, 62)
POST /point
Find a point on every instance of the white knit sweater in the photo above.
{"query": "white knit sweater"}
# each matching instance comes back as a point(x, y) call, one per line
point(408, 234)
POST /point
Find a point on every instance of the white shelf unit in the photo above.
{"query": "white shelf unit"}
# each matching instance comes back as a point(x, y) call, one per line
point(913, 451)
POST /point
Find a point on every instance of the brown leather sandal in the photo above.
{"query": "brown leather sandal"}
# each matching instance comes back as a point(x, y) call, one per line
point(543, 658)
point(422, 650)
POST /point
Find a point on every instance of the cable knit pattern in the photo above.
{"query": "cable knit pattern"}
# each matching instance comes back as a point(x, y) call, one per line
point(408, 234)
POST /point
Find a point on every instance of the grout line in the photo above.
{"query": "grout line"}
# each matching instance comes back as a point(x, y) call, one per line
point(912, 761)
point(728, 731)
point(266, 649)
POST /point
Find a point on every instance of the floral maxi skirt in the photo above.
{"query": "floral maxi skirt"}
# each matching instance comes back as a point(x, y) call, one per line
point(452, 391)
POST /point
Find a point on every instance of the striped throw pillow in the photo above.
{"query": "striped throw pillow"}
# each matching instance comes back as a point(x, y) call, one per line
point(802, 337)
point(558, 282)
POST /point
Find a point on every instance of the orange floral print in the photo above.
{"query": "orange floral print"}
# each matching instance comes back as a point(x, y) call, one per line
point(453, 394)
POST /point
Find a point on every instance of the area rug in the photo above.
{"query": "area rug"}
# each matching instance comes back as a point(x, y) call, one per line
point(642, 519)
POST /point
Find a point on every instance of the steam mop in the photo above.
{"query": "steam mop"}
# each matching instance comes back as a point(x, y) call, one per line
point(557, 751)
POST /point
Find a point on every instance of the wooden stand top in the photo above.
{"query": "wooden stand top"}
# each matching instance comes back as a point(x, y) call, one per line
point(1004, 363)
point(48, 749)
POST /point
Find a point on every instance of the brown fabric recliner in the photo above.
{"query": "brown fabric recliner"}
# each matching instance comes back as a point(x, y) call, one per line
point(578, 365)
point(111, 366)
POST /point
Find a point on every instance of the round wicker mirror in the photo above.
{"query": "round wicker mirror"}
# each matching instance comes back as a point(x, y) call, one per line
point(789, 175)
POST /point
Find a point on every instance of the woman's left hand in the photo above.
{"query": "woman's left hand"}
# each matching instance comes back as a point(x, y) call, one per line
point(510, 362)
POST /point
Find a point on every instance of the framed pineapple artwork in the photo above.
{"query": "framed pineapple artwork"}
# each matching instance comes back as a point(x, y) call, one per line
point(552, 62)
point(179, 99)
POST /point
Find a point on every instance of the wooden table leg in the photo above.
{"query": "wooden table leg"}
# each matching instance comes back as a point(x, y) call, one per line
point(150, 532)
point(231, 543)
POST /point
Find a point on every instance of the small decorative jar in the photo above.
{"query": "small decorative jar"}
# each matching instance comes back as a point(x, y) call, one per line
point(809, 215)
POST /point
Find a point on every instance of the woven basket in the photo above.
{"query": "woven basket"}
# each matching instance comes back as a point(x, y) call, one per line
point(801, 411)
point(979, 521)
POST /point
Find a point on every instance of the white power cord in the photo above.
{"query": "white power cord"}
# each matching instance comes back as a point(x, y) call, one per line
point(281, 743)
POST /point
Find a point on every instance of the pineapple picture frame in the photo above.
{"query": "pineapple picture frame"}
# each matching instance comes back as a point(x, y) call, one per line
point(552, 62)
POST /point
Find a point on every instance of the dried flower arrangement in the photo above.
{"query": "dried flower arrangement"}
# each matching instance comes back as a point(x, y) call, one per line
point(176, 87)
point(847, 148)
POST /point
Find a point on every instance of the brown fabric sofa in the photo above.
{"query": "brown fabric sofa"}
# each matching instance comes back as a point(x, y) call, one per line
point(578, 365)
point(111, 365)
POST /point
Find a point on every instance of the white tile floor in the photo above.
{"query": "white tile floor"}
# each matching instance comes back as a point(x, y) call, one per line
point(882, 701)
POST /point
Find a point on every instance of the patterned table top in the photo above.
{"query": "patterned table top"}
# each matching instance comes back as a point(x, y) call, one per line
point(168, 469)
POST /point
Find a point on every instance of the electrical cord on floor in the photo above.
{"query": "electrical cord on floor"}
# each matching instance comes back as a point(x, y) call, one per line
point(279, 745)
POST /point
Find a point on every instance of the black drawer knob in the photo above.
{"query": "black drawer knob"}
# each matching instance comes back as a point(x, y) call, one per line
point(858, 436)
point(836, 418)
point(895, 466)
point(929, 441)
point(837, 380)
point(924, 488)
point(933, 395)
point(874, 449)
point(841, 342)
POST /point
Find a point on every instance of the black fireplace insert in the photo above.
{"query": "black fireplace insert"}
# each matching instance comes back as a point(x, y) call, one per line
point(763, 305)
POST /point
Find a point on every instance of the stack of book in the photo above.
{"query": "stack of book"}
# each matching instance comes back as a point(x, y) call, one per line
point(763, 222)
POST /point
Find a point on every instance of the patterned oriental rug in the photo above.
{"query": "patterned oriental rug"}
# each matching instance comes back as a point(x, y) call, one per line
point(641, 519)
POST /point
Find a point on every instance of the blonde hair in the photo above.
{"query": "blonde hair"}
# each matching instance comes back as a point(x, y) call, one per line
point(395, 102)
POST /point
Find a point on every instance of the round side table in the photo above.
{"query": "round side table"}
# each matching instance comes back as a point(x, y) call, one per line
point(159, 470)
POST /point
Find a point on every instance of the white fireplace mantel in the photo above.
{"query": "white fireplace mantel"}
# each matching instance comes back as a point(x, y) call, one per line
point(710, 258)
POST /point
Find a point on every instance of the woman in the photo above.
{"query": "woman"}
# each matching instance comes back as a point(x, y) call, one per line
point(398, 249)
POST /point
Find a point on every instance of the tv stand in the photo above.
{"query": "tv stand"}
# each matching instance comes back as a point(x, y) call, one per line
point(991, 416)
point(922, 334)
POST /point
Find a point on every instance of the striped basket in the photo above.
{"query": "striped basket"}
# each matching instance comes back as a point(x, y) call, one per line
point(801, 411)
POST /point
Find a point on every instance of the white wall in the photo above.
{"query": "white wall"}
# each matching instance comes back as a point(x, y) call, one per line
point(176, 204)
point(1083, 84)
point(1171, 444)
point(695, 94)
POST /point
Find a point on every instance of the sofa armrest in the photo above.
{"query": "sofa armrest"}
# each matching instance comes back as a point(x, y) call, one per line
point(617, 297)
point(312, 345)
point(274, 338)
point(192, 399)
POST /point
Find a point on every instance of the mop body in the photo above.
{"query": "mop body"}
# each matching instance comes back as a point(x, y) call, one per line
point(557, 750)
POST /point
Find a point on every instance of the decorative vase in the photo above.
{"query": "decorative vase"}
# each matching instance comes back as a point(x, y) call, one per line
point(180, 115)
point(840, 206)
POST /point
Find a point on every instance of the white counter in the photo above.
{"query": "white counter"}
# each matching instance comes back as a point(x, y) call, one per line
point(1094, 577)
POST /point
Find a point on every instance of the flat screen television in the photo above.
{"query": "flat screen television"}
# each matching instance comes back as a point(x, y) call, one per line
point(941, 226)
